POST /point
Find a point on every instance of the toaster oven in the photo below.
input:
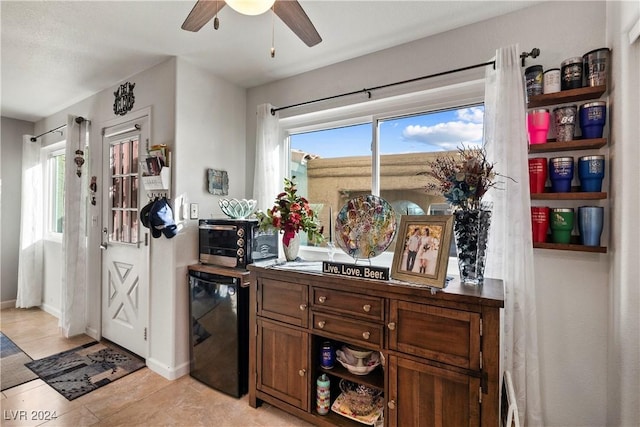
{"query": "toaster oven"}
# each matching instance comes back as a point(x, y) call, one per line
point(235, 243)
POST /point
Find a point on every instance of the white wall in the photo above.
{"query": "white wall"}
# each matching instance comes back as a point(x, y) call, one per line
point(572, 288)
point(623, 400)
point(210, 134)
point(10, 181)
point(155, 88)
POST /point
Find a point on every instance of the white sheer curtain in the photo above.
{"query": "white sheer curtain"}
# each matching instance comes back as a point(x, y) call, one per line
point(510, 256)
point(267, 180)
point(74, 242)
point(30, 261)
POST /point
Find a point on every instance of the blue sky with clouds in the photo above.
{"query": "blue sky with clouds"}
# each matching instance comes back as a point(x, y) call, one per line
point(438, 131)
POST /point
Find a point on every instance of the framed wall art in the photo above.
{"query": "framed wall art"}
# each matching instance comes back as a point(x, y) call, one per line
point(422, 249)
point(218, 182)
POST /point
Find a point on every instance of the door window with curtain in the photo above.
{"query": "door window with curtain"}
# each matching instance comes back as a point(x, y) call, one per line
point(123, 153)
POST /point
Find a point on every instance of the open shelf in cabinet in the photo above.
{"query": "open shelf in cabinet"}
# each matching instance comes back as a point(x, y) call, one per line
point(574, 194)
point(570, 247)
point(577, 144)
point(374, 379)
point(565, 96)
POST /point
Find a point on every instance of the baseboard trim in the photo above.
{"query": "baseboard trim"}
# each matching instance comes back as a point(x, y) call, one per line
point(7, 304)
point(51, 310)
point(170, 374)
point(93, 333)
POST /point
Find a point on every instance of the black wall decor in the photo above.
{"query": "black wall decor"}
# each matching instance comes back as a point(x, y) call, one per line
point(124, 99)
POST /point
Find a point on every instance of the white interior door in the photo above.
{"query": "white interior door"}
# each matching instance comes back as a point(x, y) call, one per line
point(125, 243)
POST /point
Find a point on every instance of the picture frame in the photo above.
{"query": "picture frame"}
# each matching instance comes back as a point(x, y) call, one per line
point(422, 249)
point(217, 182)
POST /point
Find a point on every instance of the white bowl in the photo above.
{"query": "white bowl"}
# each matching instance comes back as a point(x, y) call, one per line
point(237, 208)
point(351, 363)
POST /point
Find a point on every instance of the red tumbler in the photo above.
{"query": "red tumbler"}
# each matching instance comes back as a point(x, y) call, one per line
point(537, 174)
point(539, 223)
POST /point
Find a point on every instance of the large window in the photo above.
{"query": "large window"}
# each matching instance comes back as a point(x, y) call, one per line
point(382, 156)
point(55, 196)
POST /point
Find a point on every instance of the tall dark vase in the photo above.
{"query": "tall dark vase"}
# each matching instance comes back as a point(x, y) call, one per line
point(471, 230)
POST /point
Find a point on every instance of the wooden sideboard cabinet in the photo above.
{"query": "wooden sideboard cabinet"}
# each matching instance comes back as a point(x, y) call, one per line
point(441, 349)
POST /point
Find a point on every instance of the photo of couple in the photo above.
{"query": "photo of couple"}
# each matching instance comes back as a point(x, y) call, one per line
point(421, 249)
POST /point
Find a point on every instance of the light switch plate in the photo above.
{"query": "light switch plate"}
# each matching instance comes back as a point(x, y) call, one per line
point(194, 211)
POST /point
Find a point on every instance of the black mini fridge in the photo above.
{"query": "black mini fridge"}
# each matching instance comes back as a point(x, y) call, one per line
point(219, 310)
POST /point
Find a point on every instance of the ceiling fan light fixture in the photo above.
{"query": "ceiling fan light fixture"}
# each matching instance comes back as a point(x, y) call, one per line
point(250, 7)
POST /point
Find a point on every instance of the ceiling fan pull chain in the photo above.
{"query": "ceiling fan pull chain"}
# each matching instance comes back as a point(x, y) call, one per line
point(273, 31)
point(216, 21)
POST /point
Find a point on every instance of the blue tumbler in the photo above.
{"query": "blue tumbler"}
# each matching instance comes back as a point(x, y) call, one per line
point(591, 173)
point(561, 174)
point(590, 220)
point(592, 119)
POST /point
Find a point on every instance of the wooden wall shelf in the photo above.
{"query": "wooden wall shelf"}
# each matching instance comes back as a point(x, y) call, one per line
point(578, 144)
point(566, 96)
point(575, 194)
point(570, 247)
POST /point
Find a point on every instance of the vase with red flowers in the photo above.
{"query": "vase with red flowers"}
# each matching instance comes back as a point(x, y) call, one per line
point(292, 214)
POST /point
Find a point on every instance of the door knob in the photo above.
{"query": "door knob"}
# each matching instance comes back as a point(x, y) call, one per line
point(301, 372)
point(104, 244)
point(303, 307)
point(391, 404)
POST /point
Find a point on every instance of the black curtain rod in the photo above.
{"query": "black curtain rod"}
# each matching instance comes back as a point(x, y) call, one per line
point(369, 90)
point(534, 54)
point(35, 138)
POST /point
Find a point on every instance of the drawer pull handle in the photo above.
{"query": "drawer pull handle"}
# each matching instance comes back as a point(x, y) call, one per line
point(367, 307)
point(303, 307)
point(321, 324)
point(301, 372)
point(391, 326)
point(322, 299)
point(391, 404)
point(366, 335)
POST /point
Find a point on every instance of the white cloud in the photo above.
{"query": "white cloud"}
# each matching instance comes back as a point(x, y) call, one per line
point(472, 114)
point(448, 136)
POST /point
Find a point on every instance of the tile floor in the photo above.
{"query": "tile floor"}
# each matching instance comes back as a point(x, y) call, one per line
point(142, 398)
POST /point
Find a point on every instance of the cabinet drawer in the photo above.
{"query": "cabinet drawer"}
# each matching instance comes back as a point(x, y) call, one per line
point(363, 306)
point(283, 301)
point(441, 334)
point(352, 331)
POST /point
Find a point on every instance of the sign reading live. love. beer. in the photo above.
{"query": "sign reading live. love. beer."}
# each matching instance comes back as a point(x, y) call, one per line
point(352, 270)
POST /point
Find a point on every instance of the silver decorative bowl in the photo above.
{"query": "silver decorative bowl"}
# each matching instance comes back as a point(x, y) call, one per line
point(237, 208)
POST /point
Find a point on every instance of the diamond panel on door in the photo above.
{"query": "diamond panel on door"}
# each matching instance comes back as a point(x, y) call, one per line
point(123, 301)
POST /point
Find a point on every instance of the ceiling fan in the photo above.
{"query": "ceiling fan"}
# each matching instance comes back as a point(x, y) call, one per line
point(289, 11)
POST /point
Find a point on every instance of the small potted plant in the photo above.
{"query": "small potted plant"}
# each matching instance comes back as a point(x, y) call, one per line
point(292, 214)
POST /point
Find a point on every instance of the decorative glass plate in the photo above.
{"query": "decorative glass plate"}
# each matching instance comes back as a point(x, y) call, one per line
point(365, 226)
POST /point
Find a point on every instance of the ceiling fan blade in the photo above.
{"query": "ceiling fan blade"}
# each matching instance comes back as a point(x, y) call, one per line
point(295, 17)
point(202, 13)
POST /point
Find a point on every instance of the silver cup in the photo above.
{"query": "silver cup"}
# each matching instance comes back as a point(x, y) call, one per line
point(590, 221)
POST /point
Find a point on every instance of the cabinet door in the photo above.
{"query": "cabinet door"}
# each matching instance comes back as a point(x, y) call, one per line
point(423, 395)
point(283, 363)
point(436, 333)
point(283, 301)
